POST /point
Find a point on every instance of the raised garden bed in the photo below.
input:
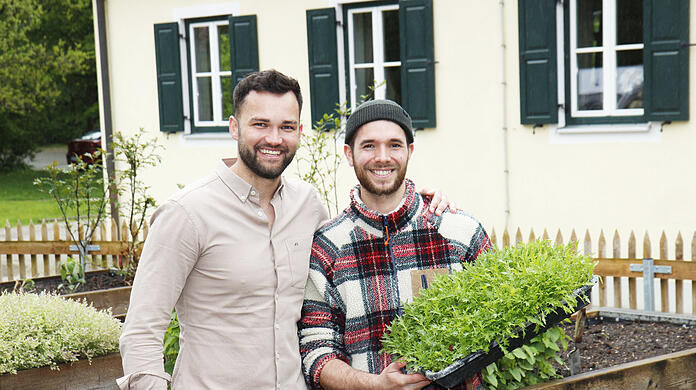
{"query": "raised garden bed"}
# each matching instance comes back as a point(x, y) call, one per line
point(103, 289)
point(101, 374)
point(672, 371)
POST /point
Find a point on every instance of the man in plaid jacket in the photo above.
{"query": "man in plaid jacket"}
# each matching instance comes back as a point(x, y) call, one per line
point(363, 261)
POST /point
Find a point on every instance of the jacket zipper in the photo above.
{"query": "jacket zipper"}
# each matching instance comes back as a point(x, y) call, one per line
point(395, 279)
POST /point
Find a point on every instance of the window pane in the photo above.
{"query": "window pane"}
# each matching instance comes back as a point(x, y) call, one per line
point(224, 47)
point(362, 36)
point(205, 100)
point(629, 21)
point(364, 83)
point(629, 79)
point(590, 83)
point(202, 43)
point(227, 101)
point(589, 23)
point(392, 75)
point(390, 21)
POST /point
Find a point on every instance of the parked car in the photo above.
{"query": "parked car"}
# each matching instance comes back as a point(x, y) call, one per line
point(88, 143)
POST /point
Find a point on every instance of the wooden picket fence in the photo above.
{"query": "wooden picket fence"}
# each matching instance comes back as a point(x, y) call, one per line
point(38, 250)
point(619, 287)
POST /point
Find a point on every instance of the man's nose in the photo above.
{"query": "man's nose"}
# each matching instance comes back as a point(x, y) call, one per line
point(273, 136)
point(382, 153)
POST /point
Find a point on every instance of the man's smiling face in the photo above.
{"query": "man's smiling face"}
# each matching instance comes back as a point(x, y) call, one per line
point(379, 156)
point(267, 130)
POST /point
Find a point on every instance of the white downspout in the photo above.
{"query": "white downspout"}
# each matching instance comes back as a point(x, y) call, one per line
point(506, 170)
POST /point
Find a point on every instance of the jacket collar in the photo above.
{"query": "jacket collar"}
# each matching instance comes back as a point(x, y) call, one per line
point(395, 220)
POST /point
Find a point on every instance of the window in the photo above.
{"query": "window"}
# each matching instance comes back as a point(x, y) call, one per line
point(374, 61)
point(386, 44)
point(210, 80)
point(195, 91)
point(606, 58)
point(619, 61)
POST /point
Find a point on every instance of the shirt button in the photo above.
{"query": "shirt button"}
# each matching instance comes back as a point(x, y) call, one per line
point(277, 326)
point(253, 192)
point(243, 198)
point(260, 213)
point(277, 356)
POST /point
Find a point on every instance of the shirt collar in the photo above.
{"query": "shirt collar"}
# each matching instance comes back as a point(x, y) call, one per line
point(241, 188)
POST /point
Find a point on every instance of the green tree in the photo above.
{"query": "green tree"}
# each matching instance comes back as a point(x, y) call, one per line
point(41, 57)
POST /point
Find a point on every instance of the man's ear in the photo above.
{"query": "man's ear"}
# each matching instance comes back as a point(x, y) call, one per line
point(349, 154)
point(234, 128)
point(410, 149)
point(300, 128)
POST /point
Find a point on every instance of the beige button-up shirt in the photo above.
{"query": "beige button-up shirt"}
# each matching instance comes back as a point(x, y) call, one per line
point(236, 284)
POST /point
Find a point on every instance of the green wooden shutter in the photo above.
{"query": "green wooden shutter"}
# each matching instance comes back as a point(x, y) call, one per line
point(244, 46)
point(666, 59)
point(323, 61)
point(171, 109)
point(417, 61)
point(538, 75)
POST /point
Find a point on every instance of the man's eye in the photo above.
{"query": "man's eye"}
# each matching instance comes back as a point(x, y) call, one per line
point(259, 124)
point(288, 128)
point(396, 146)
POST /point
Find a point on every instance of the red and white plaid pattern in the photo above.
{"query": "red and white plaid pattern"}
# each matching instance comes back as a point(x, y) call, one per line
point(359, 276)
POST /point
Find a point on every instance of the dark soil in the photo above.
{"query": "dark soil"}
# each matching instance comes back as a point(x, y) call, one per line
point(95, 280)
point(607, 342)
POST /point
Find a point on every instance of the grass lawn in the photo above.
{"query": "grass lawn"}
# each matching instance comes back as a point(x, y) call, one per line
point(21, 200)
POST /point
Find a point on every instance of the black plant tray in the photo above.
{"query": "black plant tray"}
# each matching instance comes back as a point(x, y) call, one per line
point(466, 367)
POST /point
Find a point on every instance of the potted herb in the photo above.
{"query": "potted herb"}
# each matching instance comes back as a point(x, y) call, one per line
point(467, 320)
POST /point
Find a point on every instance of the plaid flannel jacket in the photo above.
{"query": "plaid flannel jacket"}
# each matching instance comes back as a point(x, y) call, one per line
point(360, 275)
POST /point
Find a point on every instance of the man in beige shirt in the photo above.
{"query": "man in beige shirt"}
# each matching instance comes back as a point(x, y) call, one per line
point(231, 253)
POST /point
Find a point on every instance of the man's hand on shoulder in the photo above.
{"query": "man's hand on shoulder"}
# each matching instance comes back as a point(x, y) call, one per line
point(439, 201)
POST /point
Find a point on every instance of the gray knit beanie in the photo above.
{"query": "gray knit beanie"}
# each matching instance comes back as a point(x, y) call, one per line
point(375, 110)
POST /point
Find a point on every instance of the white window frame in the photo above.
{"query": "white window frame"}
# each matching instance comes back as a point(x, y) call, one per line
point(215, 73)
point(609, 70)
point(378, 64)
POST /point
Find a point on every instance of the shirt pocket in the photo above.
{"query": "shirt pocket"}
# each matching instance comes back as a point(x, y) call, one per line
point(298, 257)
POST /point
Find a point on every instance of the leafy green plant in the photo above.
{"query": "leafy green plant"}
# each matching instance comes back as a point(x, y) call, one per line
point(529, 364)
point(171, 344)
point(134, 154)
point(39, 330)
point(71, 275)
point(487, 302)
point(79, 193)
point(321, 156)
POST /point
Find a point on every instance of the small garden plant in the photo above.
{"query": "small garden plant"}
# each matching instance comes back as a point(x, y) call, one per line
point(488, 301)
point(39, 330)
point(529, 364)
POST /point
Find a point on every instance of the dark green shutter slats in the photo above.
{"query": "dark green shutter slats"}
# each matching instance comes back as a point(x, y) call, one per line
point(666, 59)
point(417, 61)
point(171, 110)
point(323, 61)
point(244, 46)
point(538, 75)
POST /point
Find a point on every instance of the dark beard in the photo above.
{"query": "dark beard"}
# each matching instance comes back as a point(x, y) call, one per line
point(249, 158)
point(368, 186)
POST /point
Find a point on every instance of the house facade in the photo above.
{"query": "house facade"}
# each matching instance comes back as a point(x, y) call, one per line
point(538, 114)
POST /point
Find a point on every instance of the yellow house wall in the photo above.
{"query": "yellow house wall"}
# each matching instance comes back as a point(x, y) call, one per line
point(598, 184)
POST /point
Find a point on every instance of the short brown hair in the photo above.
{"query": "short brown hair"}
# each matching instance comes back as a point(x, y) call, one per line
point(266, 81)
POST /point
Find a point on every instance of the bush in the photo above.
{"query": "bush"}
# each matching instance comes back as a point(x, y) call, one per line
point(39, 330)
